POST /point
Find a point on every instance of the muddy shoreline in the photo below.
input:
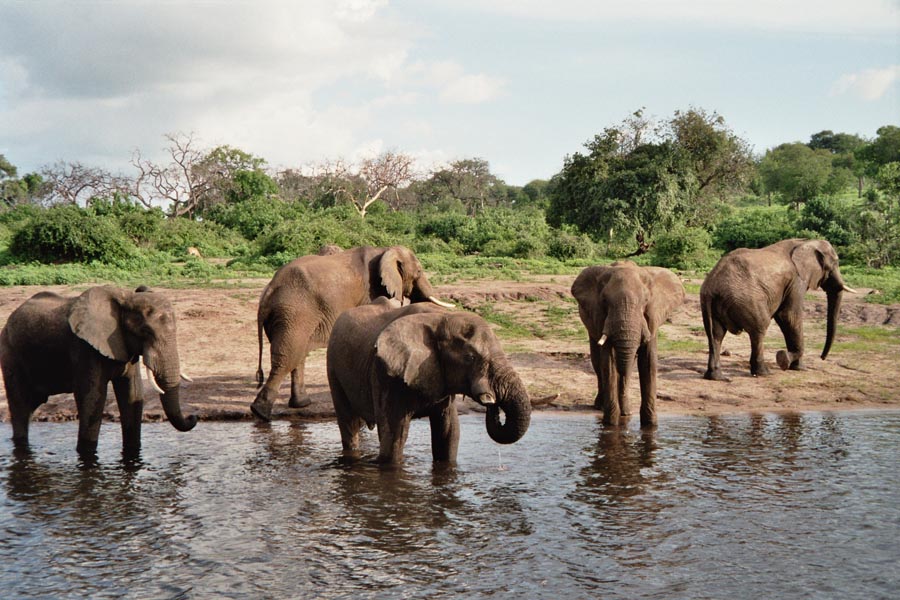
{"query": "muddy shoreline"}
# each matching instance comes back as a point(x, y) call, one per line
point(217, 339)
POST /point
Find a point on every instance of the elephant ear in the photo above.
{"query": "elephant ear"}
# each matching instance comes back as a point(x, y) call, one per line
point(809, 259)
point(391, 276)
point(407, 349)
point(94, 317)
point(666, 294)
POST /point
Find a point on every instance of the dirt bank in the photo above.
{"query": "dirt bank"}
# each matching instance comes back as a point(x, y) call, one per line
point(217, 337)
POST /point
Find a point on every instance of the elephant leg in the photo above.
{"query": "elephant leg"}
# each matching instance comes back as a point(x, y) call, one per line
point(444, 431)
point(287, 354)
point(22, 402)
point(792, 328)
point(715, 333)
point(757, 362)
point(298, 387)
point(609, 390)
point(130, 399)
point(348, 423)
point(90, 399)
point(596, 358)
point(393, 430)
point(647, 359)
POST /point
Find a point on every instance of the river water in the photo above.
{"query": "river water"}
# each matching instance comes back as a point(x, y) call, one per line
point(754, 506)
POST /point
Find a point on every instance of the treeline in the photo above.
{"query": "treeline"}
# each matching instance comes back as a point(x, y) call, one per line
point(680, 190)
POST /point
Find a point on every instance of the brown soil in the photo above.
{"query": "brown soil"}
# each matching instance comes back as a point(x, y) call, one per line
point(217, 338)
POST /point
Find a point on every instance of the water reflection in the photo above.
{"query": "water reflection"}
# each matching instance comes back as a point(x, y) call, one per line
point(770, 505)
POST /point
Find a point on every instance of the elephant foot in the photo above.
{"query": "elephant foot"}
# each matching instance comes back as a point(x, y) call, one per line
point(714, 375)
point(260, 411)
point(299, 402)
point(781, 357)
point(760, 371)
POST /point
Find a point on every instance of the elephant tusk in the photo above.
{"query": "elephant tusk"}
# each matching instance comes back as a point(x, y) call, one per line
point(186, 378)
point(850, 289)
point(486, 398)
point(440, 302)
point(602, 340)
point(152, 379)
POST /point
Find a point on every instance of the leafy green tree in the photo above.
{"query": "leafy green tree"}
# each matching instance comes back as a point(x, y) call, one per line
point(884, 149)
point(722, 162)
point(469, 181)
point(617, 193)
point(796, 171)
point(14, 190)
point(846, 164)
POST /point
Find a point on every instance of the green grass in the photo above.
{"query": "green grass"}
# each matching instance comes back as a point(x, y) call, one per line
point(885, 280)
point(868, 339)
point(669, 346)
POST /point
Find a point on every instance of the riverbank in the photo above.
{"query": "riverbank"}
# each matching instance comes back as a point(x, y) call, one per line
point(538, 323)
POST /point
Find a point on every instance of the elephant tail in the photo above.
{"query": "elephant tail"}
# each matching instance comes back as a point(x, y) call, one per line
point(260, 376)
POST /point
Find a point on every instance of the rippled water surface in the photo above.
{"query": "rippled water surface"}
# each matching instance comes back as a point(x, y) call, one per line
point(773, 506)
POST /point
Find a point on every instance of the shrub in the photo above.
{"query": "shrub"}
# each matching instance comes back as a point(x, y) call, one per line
point(176, 235)
point(753, 228)
point(828, 218)
point(70, 234)
point(254, 216)
point(567, 243)
point(683, 247)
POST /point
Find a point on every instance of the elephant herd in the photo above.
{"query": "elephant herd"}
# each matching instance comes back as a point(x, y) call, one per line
point(394, 350)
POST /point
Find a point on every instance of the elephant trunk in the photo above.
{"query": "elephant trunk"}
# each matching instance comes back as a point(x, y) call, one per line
point(165, 377)
point(172, 407)
point(423, 292)
point(512, 398)
point(834, 308)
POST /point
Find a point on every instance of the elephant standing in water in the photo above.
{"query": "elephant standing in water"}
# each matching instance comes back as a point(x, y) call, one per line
point(53, 345)
point(299, 306)
point(388, 365)
point(747, 288)
point(622, 306)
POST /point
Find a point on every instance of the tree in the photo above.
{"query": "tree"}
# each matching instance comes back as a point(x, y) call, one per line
point(374, 179)
point(469, 181)
point(884, 149)
point(617, 191)
point(796, 171)
point(844, 148)
point(721, 161)
point(195, 179)
point(177, 184)
point(75, 183)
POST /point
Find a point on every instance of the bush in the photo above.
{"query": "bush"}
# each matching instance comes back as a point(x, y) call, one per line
point(567, 243)
point(70, 234)
point(176, 235)
point(253, 217)
point(753, 228)
point(683, 247)
point(828, 218)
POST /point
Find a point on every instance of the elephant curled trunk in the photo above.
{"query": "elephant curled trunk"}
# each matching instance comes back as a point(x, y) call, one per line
point(166, 381)
point(512, 399)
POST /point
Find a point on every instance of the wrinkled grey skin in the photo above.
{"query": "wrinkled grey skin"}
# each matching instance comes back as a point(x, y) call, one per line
point(622, 306)
point(53, 345)
point(747, 288)
point(388, 365)
point(299, 306)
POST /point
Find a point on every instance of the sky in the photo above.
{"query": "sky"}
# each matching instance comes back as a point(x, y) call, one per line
point(519, 83)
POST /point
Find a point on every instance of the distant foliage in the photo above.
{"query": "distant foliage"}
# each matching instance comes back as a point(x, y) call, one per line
point(70, 234)
point(683, 247)
point(753, 228)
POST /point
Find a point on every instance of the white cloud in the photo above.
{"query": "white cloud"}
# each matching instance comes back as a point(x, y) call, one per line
point(837, 16)
point(871, 84)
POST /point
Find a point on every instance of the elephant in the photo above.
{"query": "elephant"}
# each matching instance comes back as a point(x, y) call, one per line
point(747, 288)
point(388, 365)
point(622, 306)
point(299, 306)
point(53, 345)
